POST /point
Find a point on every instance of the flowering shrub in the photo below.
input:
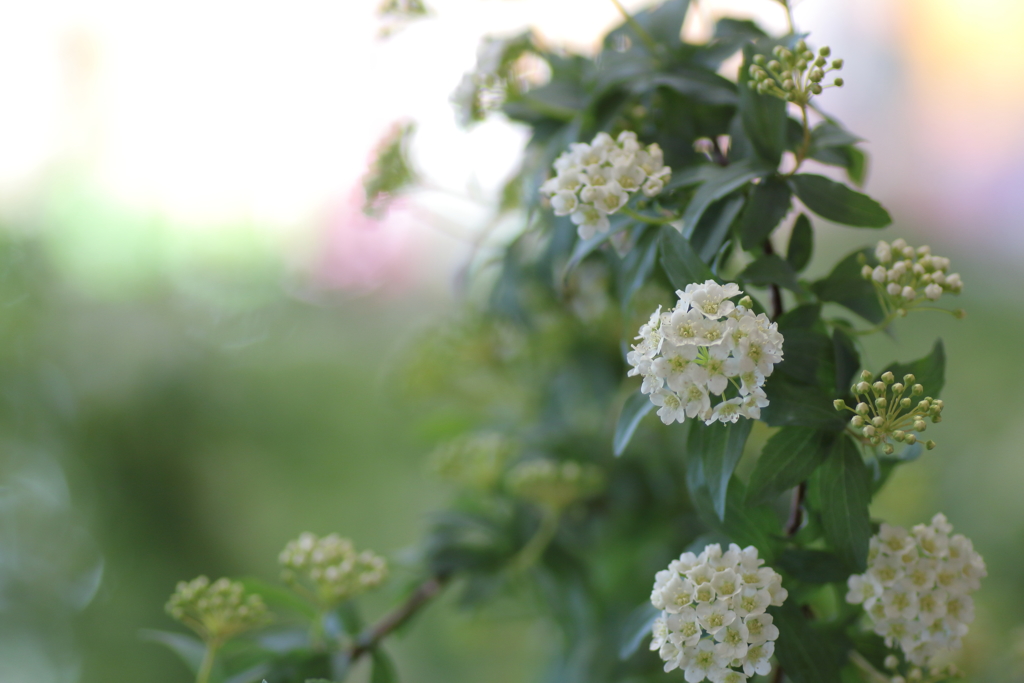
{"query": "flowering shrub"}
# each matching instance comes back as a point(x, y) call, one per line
point(651, 182)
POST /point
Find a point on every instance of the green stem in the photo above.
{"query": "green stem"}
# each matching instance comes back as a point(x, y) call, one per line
point(877, 328)
point(653, 220)
point(534, 548)
point(801, 153)
point(645, 37)
point(203, 675)
point(316, 630)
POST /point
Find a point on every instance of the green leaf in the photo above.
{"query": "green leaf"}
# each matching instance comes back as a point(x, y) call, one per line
point(636, 627)
point(794, 403)
point(845, 492)
point(930, 371)
point(585, 248)
point(770, 269)
point(804, 652)
point(827, 134)
point(189, 649)
point(801, 243)
point(719, 183)
point(681, 264)
point(805, 316)
point(836, 202)
point(636, 406)
point(856, 166)
point(663, 23)
point(847, 360)
point(638, 265)
point(813, 566)
point(383, 668)
point(693, 82)
point(788, 458)
point(278, 598)
point(845, 286)
point(810, 359)
point(768, 205)
point(743, 525)
point(714, 226)
point(719, 446)
point(763, 116)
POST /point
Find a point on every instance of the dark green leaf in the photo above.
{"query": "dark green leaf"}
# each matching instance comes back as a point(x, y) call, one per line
point(827, 134)
point(930, 371)
point(558, 100)
point(768, 205)
point(663, 22)
point(278, 598)
point(719, 447)
point(845, 285)
point(681, 264)
point(188, 648)
point(838, 203)
point(744, 525)
point(714, 226)
point(798, 404)
point(585, 248)
point(847, 360)
point(636, 406)
point(746, 28)
point(813, 566)
point(857, 166)
point(720, 182)
point(810, 359)
point(637, 627)
point(638, 265)
point(805, 316)
point(763, 116)
point(696, 83)
point(805, 653)
point(801, 243)
point(844, 489)
point(788, 458)
point(383, 668)
point(770, 269)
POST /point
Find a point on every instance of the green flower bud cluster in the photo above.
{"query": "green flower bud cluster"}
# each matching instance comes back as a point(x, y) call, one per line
point(794, 75)
point(554, 485)
point(328, 570)
point(473, 460)
point(216, 611)
point(888, 410)
point(906, 277)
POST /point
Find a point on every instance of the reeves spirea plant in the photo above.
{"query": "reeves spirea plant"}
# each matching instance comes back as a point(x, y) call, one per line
point(906, 278)
point(917, 588)
point(707, 357)
point(714, 622)
point(595, 180)
point(329, 570)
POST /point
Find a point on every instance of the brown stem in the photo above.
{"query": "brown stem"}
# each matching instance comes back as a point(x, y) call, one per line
point(777, 678)
point(796, 510)
point(371, 637)
point(776, 292)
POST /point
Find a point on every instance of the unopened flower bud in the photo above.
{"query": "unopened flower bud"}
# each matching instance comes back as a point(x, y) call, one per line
point(857, 421)
point(816, 89)
point(936, 418)
point(863, 388)
point(905, 403)
point(878, 388)
point(888, 449)
point(838, 82)
point(878, 420)
point(879, 274)
point(862, 409)
point(759, 60)
point(910, 439)
point(920, 425)
point(869, 430)
point(816, 75)
point(865, 272)
point(908, 293)
point(891, 662)
point(929, 444)
point(959, 314)
point(801, 46)
point(887, 377)
point(909, 378)
point(899, 435)
point(747, 302)
point(774, 66)
point(881, 403)
point(839, 404)
point(924, 405)
point(897, 388)
point(824, 51)
point(893, 289)
point(837, 64)
point(901, 312)
point(788, 84)
point(866, 375)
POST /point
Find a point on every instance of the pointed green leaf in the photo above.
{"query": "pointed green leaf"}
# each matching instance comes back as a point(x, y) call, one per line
point(836, 202)
point(768, 205)
point(813, 566)
point(681, 264)
point(930, 371)
point(801, 243)
point(383, 668)
point(719, 447)
point(633, 411)
point(770, 269)
point(788, 458)
point(846, 286)
point(763, 116)
point(714, 226)
point(844, 489)
point(720, 182)
point(795, 403)
point(805, 653)
point(188, 648)
point(847, 360)
point(637, 627)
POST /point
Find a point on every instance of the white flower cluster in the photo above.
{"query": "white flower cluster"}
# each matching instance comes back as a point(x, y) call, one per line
point(332, 568)
point(723, 596)
point(906, 275)
point(702, 346)
point(916, 589)
point(482, 89)
point(595, 180)
point(216, 611)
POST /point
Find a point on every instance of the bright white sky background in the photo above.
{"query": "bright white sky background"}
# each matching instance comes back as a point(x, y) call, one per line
point(210, 113)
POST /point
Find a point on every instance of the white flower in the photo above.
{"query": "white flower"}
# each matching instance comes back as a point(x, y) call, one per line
point(760, 628)
point(709, 347)
point(590, 221)
point(916, 588)
point(732, 642)
point(702, 662)
point(671, 407)
point(564, 202)
point(757, 658)
point(751, 601)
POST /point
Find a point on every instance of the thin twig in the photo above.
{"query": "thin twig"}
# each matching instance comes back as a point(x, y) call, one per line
point(372, 636)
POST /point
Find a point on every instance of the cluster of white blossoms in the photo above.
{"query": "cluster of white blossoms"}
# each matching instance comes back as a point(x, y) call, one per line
point(907, 276)
point(329, 570)
point(595, 180)
point(216, 611)
point(916, 589)
point(714, 622)
point(702, 347)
